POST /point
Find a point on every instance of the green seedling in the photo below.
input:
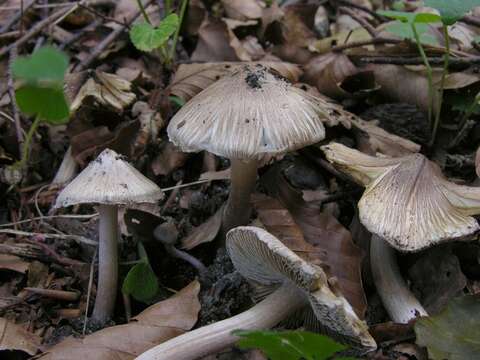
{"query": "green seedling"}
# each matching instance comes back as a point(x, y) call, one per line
point(291, 345)
point(39, 91)
point(146, 37)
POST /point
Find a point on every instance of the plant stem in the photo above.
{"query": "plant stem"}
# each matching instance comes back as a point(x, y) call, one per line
point(400, 303)
point(429, 73)
point(242, 182)
point(26, 144)
point(144, 13)
point(107, 263)
point(177, 32)
point(217, 336)
point(442, 84)
point(168, 7)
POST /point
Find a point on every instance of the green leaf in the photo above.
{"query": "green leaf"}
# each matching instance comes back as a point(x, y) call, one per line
point(290, 345)
point(141, 282)
point(453, 334)
point(411, 18)
point(177, 100)
point(46, 65)
point(40, 79)
point(146, 38)
point(452, 10)
point(405, 31)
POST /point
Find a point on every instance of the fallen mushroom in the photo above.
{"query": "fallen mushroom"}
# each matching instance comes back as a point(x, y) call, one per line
point(411, 205)
point(263, 259)
point(108, 181)
point(246, 115)
point(167, 234)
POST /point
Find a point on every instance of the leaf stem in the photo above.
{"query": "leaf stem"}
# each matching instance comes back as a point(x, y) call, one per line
point(429, 72)
point(144, 13)
point(177, 32)
point(28, 140)
point(442, 84)
point(168, 7)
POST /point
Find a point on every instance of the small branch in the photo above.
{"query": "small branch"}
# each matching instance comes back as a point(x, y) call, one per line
point(54, 294)
point(373, 41)
point(362, 8)
point(364, 23)
point(16, 17)
point(77, 238)
point(417, 60)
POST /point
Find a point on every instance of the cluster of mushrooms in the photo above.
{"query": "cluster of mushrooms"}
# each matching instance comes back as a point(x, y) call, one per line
point(246, 116)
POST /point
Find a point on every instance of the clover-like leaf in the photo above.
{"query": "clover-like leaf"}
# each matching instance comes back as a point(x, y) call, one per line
point(453, 334)
point(452, 10)
point(405, 31)
point(290, 345)
point(40, 79)
point(411, 18)
point(141, 282)
point(145, 37)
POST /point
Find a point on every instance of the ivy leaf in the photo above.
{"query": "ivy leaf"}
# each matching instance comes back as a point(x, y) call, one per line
point(411, 18)
point(290, 345)
point(141, 282)
point(453, 334)
point(40, 79)
point(146, 38)
point(452, 10)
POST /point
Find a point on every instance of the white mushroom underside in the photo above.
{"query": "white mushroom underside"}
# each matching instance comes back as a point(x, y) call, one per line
point(248, 114)
point(109, 180)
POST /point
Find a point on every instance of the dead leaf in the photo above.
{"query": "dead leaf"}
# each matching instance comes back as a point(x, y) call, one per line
point(270, 15)
point(190, 79)
point(194, 17)
point(168, 159)
point(322, 231)
point(13, 263)
point(242, 9)
point(204, 233)
point(253, 47)
point(154, 325)
point(107, 89)
point(15, 337)
point(297, 23)
point(151, 123)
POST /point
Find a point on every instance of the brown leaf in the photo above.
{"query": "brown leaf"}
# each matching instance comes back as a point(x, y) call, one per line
point(331, 241)
point(204, 233)
point(13, 263)
point(190, 79)
point(15, 337)
point(477, 162)
point(168, 159)
point(156, 324)
point(242, 9)
point(194, 17)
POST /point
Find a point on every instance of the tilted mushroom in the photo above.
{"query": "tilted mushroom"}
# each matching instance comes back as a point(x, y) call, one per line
point(263, 259)
point(108, 181)
point(411, 205)
point(248, 114)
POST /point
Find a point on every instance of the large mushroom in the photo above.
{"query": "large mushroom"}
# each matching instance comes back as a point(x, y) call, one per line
point(244, 116)
point(409, 204)
point(108, 181)
point(263, 259)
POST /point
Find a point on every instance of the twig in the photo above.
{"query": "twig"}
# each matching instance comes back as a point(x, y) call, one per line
point(39, 26)
point(364, 23)
point(75, 37)
point(100, 15)
point(62, 260)
point(54, 294)
point(373, 41)
point(417, 60)
point(16, 17)
point(107, 41)
point(87, 216)
point(11, 93)
point(77, 238)
point(362, 8)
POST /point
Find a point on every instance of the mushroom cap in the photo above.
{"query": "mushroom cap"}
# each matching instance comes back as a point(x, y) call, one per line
point(262, 258)
point(109, 179)
point(250, 113)
point(407, 200)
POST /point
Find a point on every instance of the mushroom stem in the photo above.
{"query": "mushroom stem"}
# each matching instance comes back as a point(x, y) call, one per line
point(398, 300)
point(192, 260)
point(107, 263)
point(213, 338)
point(237, 211)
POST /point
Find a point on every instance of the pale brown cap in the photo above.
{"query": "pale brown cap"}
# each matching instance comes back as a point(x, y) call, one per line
point(109, 179)
point(407, 200)
point(262, 258)
point(250, 113)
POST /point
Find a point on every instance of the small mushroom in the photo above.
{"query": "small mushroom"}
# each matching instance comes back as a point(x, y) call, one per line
point(167, 234)
point(411, 205)
point(263, 259)
point(246, 115)
point(108, 181)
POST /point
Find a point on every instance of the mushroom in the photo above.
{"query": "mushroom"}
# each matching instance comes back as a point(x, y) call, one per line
point(246, 115)
point(108, 181)
point(263, 259)
point(409, 204)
